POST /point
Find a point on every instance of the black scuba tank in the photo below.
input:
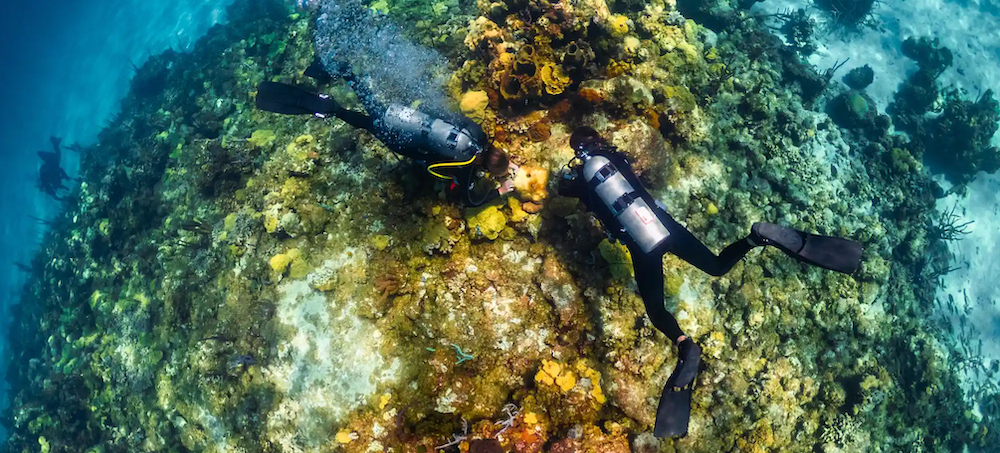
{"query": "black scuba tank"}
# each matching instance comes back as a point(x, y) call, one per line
point(632, 207)
point(423, 131)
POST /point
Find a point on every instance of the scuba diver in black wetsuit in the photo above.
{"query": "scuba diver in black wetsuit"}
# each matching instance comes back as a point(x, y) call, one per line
point(603, 179)
point(451, 149)
point(51, 174)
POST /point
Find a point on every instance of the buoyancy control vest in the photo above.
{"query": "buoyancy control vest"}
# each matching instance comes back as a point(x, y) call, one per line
point(630, 204)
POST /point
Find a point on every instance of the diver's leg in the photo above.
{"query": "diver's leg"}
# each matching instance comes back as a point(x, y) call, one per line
point(673, 411)
point(685, 246)
point(649, 278)
point(363, 89)
point(56, 142)
point(355, 119)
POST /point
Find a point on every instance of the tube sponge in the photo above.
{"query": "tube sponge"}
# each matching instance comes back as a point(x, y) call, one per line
point(553, 78)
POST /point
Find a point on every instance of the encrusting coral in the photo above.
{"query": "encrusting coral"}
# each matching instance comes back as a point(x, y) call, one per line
point(255, 282)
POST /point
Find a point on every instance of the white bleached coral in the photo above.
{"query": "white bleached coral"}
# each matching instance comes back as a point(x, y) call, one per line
point(329, 364)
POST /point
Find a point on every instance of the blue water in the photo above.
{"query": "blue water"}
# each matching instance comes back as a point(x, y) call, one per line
point(66, 65)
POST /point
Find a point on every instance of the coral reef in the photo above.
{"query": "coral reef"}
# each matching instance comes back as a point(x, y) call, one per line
point(227, 279)
point(860, 77)
point(954, 142)
point(958, 140)
point(849, 15)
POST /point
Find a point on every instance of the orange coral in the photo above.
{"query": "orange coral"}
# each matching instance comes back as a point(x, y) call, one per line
point(653, 116)
point(561, 108)
point(530, 182)
point(387, 286)
point(593, 439)
point(591, 96)
point(526, 438)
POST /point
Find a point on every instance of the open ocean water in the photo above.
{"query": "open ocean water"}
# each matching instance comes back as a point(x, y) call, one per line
point(68, 64)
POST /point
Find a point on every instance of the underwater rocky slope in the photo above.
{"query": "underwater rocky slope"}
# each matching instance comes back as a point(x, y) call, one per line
point(229, 280)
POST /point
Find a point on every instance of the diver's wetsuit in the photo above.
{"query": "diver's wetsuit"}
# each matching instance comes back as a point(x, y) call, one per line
point(450, 147)
point(463, 177)
point(51, 174)
point(648, 266)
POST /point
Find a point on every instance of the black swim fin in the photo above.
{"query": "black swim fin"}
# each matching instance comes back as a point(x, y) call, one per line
point(674, 409)
point(833, 253)
point(291, 100)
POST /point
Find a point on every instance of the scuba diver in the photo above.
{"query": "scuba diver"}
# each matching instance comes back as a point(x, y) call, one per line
point(603, 179)
point(51, 175)
point(450, 149)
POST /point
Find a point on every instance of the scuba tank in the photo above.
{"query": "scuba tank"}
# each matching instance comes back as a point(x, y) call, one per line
point(421, 130)
point(631, 207)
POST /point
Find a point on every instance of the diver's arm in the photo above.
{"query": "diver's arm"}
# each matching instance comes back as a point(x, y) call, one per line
point(472, 202)
point(571, 185)
point(465, 184)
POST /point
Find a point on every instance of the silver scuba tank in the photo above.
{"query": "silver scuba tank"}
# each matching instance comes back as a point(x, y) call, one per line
point(433, 134)
point(633, 213)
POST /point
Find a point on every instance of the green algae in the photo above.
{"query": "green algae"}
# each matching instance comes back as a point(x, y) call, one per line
point(262, 137)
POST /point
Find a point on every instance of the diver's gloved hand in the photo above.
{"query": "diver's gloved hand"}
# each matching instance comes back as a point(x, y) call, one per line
point(507, 186)
point(569, 185)
point(674, 410)
point(833, 253)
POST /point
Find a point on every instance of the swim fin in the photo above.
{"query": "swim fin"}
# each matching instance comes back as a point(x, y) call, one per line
point(833, 253)
point(291, 100)
point(674, 410)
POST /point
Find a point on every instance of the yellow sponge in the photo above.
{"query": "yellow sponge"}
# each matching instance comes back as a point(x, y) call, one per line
point(280, 262)
point(474, 105)
point(530, 182)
